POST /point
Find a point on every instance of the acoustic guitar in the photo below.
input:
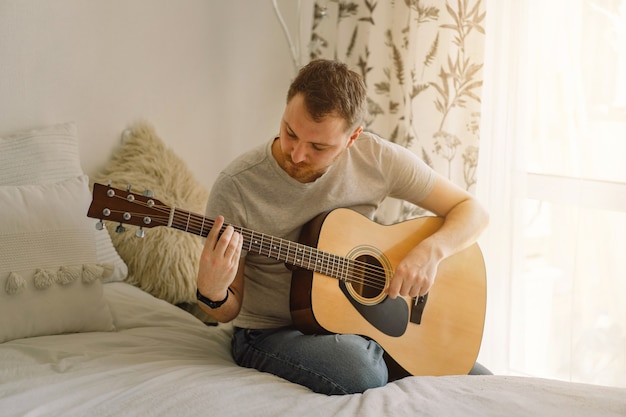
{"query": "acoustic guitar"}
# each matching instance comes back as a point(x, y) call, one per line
point(341, 267)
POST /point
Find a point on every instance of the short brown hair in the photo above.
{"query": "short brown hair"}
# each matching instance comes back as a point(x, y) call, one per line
point(330, 87)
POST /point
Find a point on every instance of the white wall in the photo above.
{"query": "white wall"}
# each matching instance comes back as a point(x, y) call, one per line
point(210, 75)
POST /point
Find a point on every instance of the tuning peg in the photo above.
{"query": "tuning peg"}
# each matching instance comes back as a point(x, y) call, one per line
point(140, 233)
point(148, 193)
point(120, 228)
point(99, 225)
point(128, 187)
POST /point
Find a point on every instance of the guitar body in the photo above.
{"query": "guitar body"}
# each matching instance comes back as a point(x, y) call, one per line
point(442, 339)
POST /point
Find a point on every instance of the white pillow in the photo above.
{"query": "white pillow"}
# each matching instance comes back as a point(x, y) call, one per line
point(50, 278)
point(49, 155)
point(39, 156)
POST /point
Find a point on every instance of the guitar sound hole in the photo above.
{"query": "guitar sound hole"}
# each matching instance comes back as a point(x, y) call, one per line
point(367, 280)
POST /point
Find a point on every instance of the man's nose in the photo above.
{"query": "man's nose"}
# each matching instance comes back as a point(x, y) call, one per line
point(298, 153)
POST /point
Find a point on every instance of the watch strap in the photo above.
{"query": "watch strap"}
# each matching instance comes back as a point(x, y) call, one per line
point(210, 303)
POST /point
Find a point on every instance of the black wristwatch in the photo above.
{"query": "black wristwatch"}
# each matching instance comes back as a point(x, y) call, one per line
point(210, 303)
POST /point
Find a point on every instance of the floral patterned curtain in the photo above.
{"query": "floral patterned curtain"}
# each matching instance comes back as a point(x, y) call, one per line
point(422, 63)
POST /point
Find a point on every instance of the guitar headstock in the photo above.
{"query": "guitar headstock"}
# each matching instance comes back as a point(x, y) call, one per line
point(124, 206)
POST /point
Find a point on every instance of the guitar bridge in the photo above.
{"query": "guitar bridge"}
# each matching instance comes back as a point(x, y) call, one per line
point(417, 310)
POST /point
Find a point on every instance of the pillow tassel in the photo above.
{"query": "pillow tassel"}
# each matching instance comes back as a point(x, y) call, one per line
point(15, 284)
point(43, 279)
point(91, 272)
point(68, 274)
point(107, 270)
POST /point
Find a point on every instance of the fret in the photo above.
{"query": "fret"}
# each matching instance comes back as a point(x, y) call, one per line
point(268, 246)
point(171, 217)
point(301, 254)
point(272, 246)
point(346, 268)
point(339, 266)
point(188, 218)
point(342, 273)
point(318, 261)
point(251, 240)
point(326, 260)
point(329, 265)
point(202, 226)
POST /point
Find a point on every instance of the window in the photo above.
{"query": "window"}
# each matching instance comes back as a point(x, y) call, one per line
point(566, 270)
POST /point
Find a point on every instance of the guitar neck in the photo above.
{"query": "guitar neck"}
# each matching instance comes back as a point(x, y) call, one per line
point(284, 250)
point(144, 211)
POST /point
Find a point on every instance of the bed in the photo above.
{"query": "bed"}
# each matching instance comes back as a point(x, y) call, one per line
point(91, 326)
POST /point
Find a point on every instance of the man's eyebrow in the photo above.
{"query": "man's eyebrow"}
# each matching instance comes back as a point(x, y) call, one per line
point(290, 129)
point(292, 133)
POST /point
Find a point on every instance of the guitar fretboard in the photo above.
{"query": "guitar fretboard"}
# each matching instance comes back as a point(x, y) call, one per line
point(284, 250)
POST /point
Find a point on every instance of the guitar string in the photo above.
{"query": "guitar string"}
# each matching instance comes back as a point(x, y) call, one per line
point(375, 279)
point(198, 222)
point(368, 274)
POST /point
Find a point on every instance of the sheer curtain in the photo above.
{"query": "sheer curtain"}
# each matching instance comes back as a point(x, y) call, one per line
point(551, 171)
point(422, 65)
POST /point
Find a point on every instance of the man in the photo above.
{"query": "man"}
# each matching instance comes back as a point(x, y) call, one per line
point(321, 160)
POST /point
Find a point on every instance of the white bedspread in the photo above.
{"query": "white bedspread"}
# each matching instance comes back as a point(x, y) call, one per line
point(164, 362)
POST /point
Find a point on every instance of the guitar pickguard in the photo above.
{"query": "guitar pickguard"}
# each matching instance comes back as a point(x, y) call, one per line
point(389, 316)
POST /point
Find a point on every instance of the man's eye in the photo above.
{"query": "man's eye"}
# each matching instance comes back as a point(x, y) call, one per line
point(291, 134)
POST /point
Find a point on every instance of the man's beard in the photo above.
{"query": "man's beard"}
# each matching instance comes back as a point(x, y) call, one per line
point(302, 172)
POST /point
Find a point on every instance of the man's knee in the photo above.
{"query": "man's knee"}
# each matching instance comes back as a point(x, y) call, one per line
point(364, 368)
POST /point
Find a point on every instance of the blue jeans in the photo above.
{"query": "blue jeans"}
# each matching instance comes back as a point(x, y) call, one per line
point(327, 364)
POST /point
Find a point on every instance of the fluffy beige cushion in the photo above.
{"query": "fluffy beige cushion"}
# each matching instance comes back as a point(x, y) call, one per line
point(164, 262)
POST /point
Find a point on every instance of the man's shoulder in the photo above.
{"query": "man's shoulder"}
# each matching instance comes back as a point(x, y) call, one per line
point(248, 160)
point(368, 138)
point(370, 145)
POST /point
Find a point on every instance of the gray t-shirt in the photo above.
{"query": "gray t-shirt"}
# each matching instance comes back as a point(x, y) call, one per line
point(255, 193)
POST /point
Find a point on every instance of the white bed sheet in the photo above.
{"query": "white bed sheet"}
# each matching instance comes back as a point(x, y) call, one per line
point(162, 361)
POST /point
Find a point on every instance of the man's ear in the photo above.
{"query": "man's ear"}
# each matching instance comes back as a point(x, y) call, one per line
point(355, 134)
